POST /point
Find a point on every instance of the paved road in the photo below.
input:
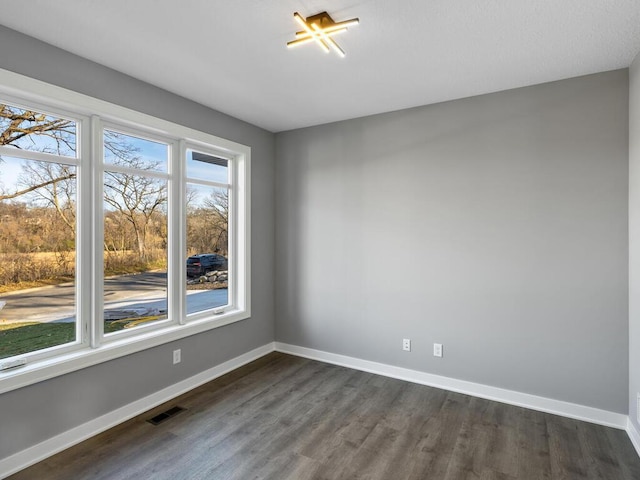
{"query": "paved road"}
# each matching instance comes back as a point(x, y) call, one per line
point(139, 292)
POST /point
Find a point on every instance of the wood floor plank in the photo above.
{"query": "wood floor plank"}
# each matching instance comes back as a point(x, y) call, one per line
point(469, 457)
point(600, 461)
point(567, 457)
point(493, 475)
point(367, 462)
point(288, 418)
point(501, 423)
point(296, 467)
point(370, 412)
point(532, 449)
point(625, 452)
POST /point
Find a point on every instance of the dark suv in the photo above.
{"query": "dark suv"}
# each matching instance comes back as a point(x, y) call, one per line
point(205, 262)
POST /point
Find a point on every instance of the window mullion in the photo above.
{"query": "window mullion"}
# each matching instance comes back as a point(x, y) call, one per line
point(199, 181)
point(134, 171)
point(177, 234)
point(97, 237)
point(84, 247)
point(37, 156)
point(241, 219)
point(233, 239)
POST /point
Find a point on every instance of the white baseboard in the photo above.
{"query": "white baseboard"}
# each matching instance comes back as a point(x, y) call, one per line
point(634, 435)
point(534, 402)
point(31, 455)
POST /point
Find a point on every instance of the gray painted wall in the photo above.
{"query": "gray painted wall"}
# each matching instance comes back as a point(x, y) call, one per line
point(35, 413)
point(496, 225)
point(634, 240)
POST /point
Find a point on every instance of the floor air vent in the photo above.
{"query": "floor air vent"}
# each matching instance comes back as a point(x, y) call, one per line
point(164, 416)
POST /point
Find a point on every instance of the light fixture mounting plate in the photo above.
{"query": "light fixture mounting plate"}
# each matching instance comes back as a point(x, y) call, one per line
point(322, 19)
point(320, 29)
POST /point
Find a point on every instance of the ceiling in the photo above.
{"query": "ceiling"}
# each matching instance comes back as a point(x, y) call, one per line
point(231, 55)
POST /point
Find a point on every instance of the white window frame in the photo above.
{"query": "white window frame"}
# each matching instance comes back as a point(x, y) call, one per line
point(232, 257)
point(173, 315)
point(92, 115)
point(83, 231)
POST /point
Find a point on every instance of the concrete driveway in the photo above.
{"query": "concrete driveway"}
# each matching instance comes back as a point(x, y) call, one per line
point(144, 292)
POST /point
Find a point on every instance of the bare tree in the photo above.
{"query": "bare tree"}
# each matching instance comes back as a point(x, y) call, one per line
point(218, 204)
point(53, 184)
point(207, 221)
point(21, 128)
point(137, 199)
point(18, 128)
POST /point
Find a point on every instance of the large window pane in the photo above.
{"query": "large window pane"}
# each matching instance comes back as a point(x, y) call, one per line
point(135, 234)
point(207, 247)
point(37, 132)
point(37, 255)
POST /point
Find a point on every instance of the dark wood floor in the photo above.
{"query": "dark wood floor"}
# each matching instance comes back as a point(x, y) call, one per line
point(284, 417)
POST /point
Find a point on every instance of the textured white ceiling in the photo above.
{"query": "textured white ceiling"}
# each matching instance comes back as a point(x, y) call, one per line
point(230, 55)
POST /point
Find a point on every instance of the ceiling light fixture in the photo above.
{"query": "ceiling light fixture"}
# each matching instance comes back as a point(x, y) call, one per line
point(320, 28)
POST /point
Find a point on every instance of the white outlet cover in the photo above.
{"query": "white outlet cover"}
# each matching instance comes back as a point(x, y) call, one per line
point(437, 349)
point(638, 409)
point(406, 344)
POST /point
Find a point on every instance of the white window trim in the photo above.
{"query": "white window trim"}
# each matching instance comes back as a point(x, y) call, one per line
point(91, 351)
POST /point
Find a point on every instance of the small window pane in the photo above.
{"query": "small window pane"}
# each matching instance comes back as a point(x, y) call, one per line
point(201, 166)
point(37, 132)
point(135, 251)
point(133, 152)
point(37, 249)
point(207, 261)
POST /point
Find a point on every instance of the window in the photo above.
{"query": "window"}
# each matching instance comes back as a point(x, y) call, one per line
point(38, 230)
point(135, 216)
point(207, 231)
point(118, 231)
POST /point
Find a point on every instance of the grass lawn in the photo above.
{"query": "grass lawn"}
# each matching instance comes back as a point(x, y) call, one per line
point(19, 338)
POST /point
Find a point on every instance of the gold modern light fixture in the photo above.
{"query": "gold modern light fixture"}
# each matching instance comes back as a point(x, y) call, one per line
point(320, 28)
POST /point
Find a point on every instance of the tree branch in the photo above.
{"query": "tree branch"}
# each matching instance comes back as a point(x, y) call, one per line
point(10, 196)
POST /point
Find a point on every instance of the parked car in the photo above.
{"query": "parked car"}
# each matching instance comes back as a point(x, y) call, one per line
point(203, 263)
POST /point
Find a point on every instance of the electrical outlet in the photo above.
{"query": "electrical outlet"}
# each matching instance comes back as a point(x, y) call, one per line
point(437, 349)
point(177, 356)
point(406, 344)
point(638, 409)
